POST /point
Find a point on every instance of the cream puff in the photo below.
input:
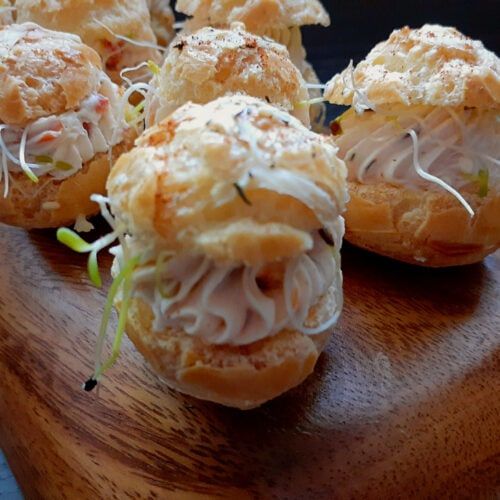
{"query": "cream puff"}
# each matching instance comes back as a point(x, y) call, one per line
point(214, 62)
point(162, 20)
point(280, 20)
point(422, 147)
point(118, 30)
point(227, 274)
point(61, 124)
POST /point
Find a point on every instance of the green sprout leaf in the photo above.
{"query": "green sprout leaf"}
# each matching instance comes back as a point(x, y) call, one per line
point(153, 67)
point(395, 121)
point(124, 278)
point(43, 160)
point(483, 178)
point(309, 102)
point(140, 107)
point(93, 269)
point(72, 240)
point(78, 244)
point(31, 176)
point(62, 165)
point(130, 115)
point(133, 114)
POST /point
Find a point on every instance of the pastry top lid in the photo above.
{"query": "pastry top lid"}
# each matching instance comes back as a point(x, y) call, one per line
point(258, 15)
point(43, 72)
point(235, 179)
point(97, 22)
point(214, 62)
point(432, 65)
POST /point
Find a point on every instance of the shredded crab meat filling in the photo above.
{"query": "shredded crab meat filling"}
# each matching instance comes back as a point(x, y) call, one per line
point(459, 147)
point(238, 305)
point(59, 145)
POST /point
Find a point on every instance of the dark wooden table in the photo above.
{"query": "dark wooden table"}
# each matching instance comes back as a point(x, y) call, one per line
point(404, 403)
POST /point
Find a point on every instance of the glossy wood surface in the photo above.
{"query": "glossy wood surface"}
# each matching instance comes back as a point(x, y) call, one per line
point(405, 403)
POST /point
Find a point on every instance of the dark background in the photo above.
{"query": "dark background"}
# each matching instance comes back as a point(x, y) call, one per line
point(357, 25)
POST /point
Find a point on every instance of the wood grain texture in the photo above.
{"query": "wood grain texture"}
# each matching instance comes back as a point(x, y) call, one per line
point(404, 403)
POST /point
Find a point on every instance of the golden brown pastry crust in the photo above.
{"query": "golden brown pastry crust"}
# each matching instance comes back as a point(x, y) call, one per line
point(43, 72)
point(211, 63)
point(128, 18)
point(150, 190)
point(239, 376)
point(257, 15)
point(427, 228)
point(433, 65)
point(279, 20)
point(24, 206)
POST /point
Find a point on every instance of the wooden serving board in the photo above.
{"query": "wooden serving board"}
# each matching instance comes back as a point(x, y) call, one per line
point(405, 403)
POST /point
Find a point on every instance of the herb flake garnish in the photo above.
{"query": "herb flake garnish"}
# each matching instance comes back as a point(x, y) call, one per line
point(242, 194)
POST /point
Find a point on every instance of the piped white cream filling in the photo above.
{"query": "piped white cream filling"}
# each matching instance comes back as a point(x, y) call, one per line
point(59, 145)
point(453, 145)
point(226, 304)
